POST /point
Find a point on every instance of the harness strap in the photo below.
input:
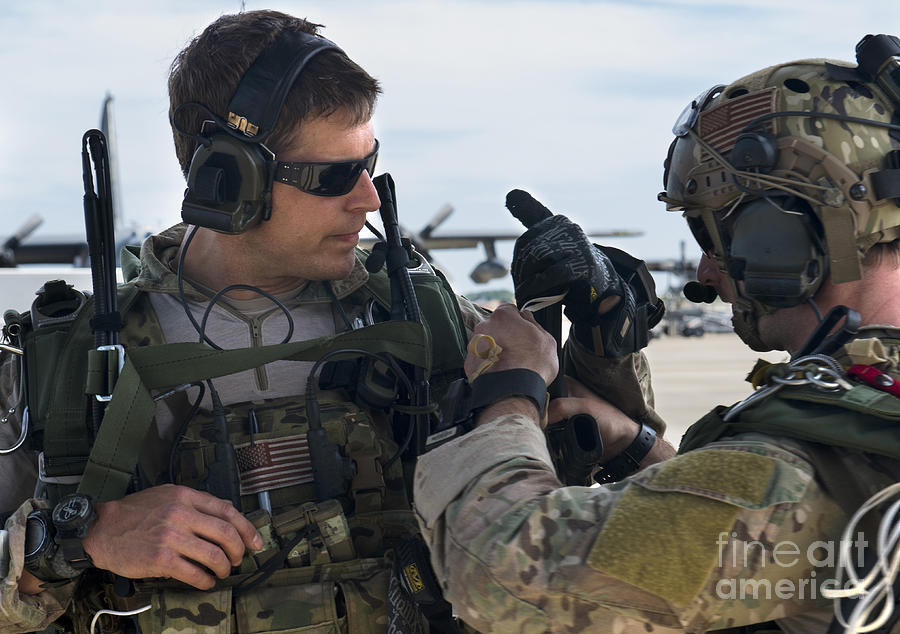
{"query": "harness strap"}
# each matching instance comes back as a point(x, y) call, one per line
point(128, 416)
point(58, 406)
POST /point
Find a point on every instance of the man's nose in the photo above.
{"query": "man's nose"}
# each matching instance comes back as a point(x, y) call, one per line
point(364, 196)
point(707, 271)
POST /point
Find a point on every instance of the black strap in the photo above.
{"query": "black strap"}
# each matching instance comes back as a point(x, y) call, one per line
point(820, 342)
point(886, 183)
point(462, 402)
point(265, 85)
point(489, 388)
point(629, 460)
point(107, 321)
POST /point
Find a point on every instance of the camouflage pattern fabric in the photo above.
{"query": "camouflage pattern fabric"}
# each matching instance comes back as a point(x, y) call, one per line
point(21, 613)
point(354, 596)
point(736, 532)
point(319, 590)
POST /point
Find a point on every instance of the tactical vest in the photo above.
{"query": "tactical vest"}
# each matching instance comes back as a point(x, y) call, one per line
point(334, 558)
point(849, 436)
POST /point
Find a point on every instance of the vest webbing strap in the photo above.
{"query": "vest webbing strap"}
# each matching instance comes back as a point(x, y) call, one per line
point(128, 416)
point(862, 419)
point(60, 407)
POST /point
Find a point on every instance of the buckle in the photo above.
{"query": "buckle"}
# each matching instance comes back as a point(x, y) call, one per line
point(111, 378)
point(43, 477)
point(369, 477)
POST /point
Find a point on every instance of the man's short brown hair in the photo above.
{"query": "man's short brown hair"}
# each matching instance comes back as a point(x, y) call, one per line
point(210, 68)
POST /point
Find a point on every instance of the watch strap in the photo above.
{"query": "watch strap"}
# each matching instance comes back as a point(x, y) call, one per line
point(462, 402)
point(491, 387)
point(73, 553)
point(629, 460)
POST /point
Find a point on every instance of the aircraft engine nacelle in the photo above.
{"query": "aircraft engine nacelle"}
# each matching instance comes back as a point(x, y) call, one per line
point(490, 269)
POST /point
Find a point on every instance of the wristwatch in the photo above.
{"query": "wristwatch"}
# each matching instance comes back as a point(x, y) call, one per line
point(43, 557)
point(629, 460)
point(462, 402)
point(72, 517)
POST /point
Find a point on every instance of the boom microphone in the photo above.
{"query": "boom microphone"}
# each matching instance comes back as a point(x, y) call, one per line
point(699, 293)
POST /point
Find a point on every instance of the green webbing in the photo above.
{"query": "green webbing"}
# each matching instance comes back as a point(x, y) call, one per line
point(129, 414)
point(861, 419)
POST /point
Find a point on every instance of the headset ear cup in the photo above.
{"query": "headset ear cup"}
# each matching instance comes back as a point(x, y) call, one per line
point(755, 151)
point(776, 252)
point(229, 184)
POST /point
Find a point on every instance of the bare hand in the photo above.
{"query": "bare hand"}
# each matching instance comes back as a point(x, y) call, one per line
point(525, 344)
point(166, 531)
point(617, 430)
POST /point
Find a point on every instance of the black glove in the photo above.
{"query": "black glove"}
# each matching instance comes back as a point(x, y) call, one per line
point(554, 256)
point(608, 317)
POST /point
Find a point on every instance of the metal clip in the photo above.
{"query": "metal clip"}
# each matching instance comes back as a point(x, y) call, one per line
point(4, 553)
point(104, 398)
point(22, 434)
point(43, 477)
point(825, 375)
point(240, 123)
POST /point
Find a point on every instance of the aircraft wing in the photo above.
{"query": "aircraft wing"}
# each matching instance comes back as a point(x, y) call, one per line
point(472, 240)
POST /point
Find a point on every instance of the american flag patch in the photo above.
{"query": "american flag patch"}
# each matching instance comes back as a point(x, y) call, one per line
point(721, 125)
point(273, 464)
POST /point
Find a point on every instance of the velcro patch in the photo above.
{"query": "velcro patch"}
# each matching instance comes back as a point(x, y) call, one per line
point(737, 477)
point(661, 536)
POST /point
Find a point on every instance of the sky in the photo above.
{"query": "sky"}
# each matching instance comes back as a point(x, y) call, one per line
point(570, 100)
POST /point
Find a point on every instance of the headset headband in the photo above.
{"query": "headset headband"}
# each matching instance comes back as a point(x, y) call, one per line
point(255, 105)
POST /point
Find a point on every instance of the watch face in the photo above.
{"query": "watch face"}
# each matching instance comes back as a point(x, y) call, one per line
point(72, 509)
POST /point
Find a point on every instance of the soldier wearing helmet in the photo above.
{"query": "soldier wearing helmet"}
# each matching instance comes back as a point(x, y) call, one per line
point(790, 181)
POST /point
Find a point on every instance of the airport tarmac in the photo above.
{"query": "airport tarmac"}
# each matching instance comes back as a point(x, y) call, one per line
point(691, 375)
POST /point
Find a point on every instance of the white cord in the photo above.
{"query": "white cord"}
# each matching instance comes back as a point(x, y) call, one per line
point(877, 585)
point(539, 303)
point(115, 613)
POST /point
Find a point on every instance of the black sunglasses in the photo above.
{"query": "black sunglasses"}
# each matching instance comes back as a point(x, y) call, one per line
point(325, 179)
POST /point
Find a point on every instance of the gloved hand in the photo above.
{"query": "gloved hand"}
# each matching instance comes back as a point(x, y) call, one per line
point(554, 256)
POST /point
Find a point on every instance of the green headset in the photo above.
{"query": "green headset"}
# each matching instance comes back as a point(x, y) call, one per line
point(229, 182)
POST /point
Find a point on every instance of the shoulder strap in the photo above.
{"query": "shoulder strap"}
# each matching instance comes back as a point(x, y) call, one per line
point(861, 418)
point(129, 414)
point(57, 363)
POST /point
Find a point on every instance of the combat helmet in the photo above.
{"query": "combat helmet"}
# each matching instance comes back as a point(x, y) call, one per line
point(791, 174)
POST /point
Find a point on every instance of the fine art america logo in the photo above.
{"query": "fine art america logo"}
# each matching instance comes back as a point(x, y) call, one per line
point(798, 577)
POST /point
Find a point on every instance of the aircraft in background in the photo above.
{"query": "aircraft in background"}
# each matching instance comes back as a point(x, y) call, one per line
point(425, 241)
point(683, 317)
point(73, 250)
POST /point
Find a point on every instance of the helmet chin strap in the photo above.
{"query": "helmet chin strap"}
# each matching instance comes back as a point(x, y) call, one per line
point(746, 316)
point(746, 323)
point(820, 341)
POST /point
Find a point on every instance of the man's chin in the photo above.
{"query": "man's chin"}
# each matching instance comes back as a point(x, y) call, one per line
point(336, 270)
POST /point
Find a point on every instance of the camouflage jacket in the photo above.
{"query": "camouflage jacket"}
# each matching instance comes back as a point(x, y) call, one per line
point(740, 530)
point(626, 379)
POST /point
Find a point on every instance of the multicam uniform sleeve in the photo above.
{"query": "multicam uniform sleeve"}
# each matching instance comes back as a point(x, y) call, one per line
point(660, 551)
point(20, 613)
point(623, 381)
point(471, 313)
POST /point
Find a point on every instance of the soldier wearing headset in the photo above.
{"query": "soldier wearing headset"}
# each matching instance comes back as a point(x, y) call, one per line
point(790, 181)
point(127, 526)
